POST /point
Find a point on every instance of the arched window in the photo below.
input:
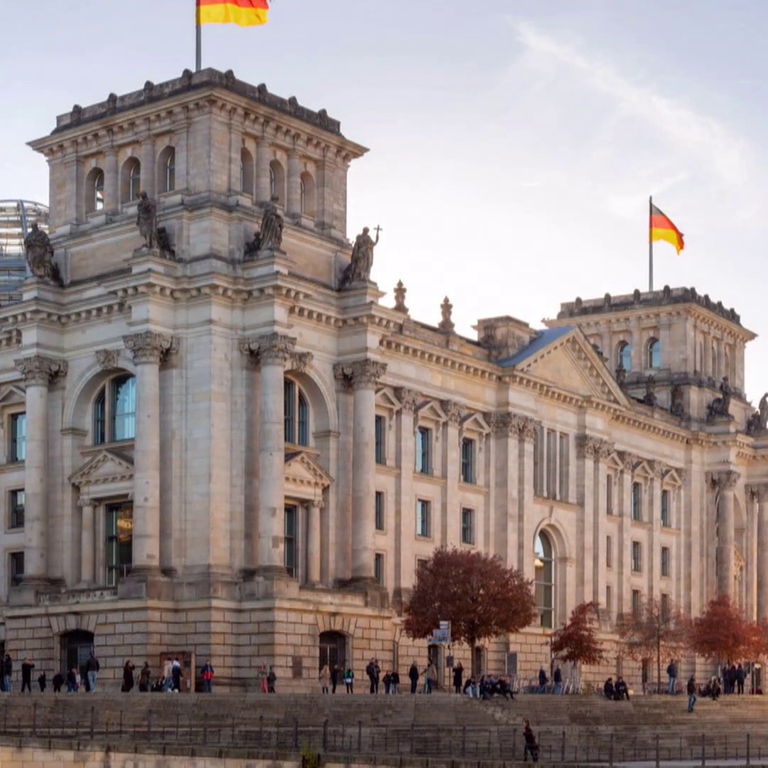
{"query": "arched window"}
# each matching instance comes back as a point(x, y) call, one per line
point(296, 414)
point(277, 180)
point(94, 185)
point(131, 183)
point(307, 194)
point(272, 182)
point(114, 410)
point(166, 181)
point(246, 171)
point(544, 579)
point(654, 354)
point(624, 356)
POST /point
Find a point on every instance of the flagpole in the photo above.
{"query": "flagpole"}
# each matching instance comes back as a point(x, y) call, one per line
point(650, 244)
point(198, 40)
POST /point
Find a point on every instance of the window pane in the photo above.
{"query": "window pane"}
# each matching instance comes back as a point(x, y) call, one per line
point(170, 172)
point(16, 567)
point(290, 541)
point(98, 192)
point(467, 461)
point(379, 511)
point(609, 494)
point(378, 568)
point(665, 509)
point(423, 458)
point(18, 437)
point(303, 420)
point(636, 499)
point(654, 354)
point(544, 581)
point(422, 518)
point(625, 357)
point(17, 509)
point(124, 408)
point(289, 410)
point(380, 438)
point(100, 419)
point(134, 182)
point(467, 526)
point(119, 542)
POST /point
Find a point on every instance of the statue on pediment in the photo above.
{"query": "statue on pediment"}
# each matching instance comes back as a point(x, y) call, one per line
point(359, 268)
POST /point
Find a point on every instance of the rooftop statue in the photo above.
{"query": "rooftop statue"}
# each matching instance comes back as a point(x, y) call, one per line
point(271, 233)
point(146, 220)
point(361, 264)
point(40, 255)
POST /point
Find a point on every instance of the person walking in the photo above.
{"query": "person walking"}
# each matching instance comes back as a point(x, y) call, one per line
point(691, 690)
point(557, 678)
point(531, 745)
point(431, 677)
point(458, 674)
point(128, 668)
point(543, 680)
point(92, 668)
point(168, 675)
point(413, 676)
point(349, 680)
point(144, 678)
point(26, 675)
point(58, 682)
point(7, 674)
point(672, 675)
point(207, 674)
point(395, 681)
point(325, 678)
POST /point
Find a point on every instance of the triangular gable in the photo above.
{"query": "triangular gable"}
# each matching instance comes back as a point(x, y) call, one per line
point(569, 362)
point(303, 471)
point(614, 462)
point(643, 468)
point(385, 398)
point(475, 422)
point(11, 394)
point(105, 467)
point(671, 477)
point(429, 409)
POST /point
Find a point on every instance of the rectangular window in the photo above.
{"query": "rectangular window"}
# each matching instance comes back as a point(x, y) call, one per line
point(665, 561)
point(124, 408)
point(538, 461)
point(378, 568)
point(551, 464)
point(608, 552)
point(636, 603)
point(119, 542)
point(424, 451)
point(16, 567)
point(637, 563)
point(467, 460)
point(467, 526)
point(289, 411)
point(421, 564)
point(381, 438)
point(665, 510)
point(379, 510)
point(17, 509)
point(18, 436)
point(423, 518)
point(563, 468)
point(609, 494)
point(637, 512)
point(290, 529)
point(609, 600)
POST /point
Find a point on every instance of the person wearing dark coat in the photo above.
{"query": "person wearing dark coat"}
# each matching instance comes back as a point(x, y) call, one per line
point(41, 681)
point(458, 674)
point(740, 677)
point(557, 679)
point(58, 682)
point(335, 672)
point(413, 676)
point(26, 674)
point(608, 689)
point(531, 745)
point(395, 682)
point(622, 692)
point(127, 676)
point(543, 680)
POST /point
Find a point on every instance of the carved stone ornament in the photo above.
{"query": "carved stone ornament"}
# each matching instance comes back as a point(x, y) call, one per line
point(400, 291)
point(85, 501)
point(446, 310)
point(593, 447)
point(300, 361)
point(453, 411)
point(109, 359)
point(621, 376)
point(726, 480)
point(272, 348)
point(650, 391)
point(720, 407)
point(40, 370)
point(150, 346)
point(658, 468)
point(39, 253)
point(628, 461)
point(358, 271)
point(760, 492)
point(361, 374)
point(409, 398)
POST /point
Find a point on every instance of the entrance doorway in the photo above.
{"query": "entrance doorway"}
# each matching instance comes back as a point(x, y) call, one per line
point(333, 650)
point(76, 647)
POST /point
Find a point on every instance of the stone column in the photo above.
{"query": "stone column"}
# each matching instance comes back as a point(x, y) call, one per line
point(293, 204)
point(623, 548)
point(405, 502)
point(148, 181)
point(761, 491)
point(38, 372)
point(111, 181)
point(451, 472)
point(263, 190)
point(324, 192)
point(87, 542)
point(603, 451)
point(363, 375)
point(313, 541)
point(588, 528)
point(526, 428)
point(74, 202)
point(182, 153)
point(148, 349)
point(726, 483)
point(274, 350)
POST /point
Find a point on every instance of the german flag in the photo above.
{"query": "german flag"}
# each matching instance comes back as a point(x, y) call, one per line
point(662, 228)
point(244, 13)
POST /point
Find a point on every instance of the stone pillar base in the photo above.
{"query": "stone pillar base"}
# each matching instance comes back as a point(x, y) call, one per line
point(26, 593)
point(376, 596)
point(144, 583)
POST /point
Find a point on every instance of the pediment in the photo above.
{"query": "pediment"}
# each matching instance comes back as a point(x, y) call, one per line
point(385, 398)
point(672, 477)
point(572, 364)
point(302, 470)
point(614, 462)
point(12, 394)
point(429, 409)
point(105, 467)
point(474, 422)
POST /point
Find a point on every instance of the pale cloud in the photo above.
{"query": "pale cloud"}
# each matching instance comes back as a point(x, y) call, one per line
point(710, 142)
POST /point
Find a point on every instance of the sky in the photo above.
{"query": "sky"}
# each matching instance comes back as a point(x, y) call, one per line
point(514, 143)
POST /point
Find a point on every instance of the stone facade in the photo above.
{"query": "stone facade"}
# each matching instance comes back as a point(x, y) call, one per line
point(234, 457)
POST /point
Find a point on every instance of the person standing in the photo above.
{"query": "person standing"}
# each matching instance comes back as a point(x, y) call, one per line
point(740, 677)
point(72, 683)
point(92, 668)
point(207, 674)
point(691, 690)
point(387, 682)
point(413, 676)
point(325, 678)
point(394, 681)
point(58, 682)
point(176, 675)
point(431, 676)
point(144, 677)
point(168, 675)
point(349, 680)
point(271, 677)
point(7, 674)
point(334, 677)
point(672, 675)
point(543, 680)
point(127, 677)
point(42, 681)
point(557, 678)
point(26, 675)
point(263, 677)
point(458, 674)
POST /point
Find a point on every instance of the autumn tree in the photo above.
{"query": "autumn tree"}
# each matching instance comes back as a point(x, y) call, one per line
point(577, 640)
point(655, 630)
point(475, 592)
point(722, 634)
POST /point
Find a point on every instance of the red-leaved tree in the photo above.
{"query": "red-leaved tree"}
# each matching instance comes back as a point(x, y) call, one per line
point(655, 630)
point(577, 640)
point(475, 592)
point(721, 633)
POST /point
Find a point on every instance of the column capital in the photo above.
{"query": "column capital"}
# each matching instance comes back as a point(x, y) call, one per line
point(758, 491)
point(40, 370)
point(360, 374)
point(658, 468)
point(725, 480)
point(514, 425)
point(271, 348)
point(628, 461)
point(150, 346)
point(593, 447)
point(85, 501)
point(454, 411)
point(409, 398)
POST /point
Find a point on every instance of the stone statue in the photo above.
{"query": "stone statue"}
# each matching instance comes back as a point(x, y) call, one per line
point(271, 233)
point(252, 248)
point(621, 375)
point(446, 310)
point(400, 291)
point(164, 244)
point(40, 255)
point(676, 407)
point(359, 268)
point(754, 424)
point(650, 391)
point(763, 409)
point(720, 406)
point(146, 220)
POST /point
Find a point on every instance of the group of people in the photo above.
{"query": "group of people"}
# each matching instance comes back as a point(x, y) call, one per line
point(616, 691)
point(557, 679)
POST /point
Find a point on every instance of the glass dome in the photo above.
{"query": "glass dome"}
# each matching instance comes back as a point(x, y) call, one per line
point(16, 220)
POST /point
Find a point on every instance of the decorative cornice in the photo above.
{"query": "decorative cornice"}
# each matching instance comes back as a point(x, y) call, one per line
point(40, 370)
point(108, 359)
point(150, 347)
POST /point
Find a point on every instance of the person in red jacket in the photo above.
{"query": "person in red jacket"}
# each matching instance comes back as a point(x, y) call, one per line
point(207, 674)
